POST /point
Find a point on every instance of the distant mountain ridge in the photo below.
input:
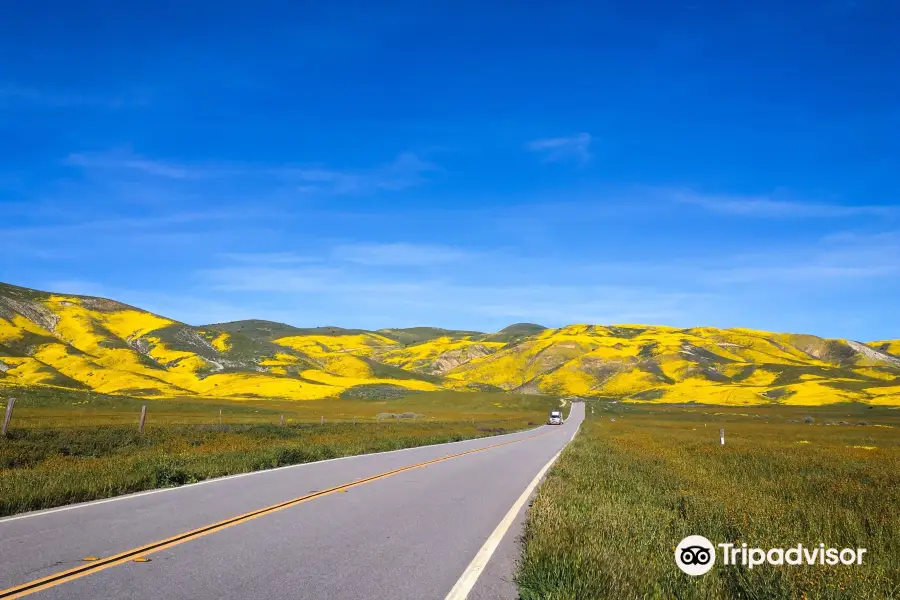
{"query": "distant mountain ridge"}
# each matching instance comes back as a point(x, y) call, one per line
point(82, 342)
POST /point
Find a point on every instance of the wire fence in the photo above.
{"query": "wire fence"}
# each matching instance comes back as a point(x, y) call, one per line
point(159, 414)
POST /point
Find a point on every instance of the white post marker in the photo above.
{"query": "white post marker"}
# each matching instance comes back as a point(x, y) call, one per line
point(10, 404)
point(722, 435)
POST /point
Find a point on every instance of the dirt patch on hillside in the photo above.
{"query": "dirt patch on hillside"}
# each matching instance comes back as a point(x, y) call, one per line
point(32, 311)
point(451, 359)
point(104, 305)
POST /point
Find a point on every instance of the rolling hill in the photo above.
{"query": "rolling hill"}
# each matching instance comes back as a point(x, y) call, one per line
point(50, 339)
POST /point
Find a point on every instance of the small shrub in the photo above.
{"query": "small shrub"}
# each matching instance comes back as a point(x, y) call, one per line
point(168, 475)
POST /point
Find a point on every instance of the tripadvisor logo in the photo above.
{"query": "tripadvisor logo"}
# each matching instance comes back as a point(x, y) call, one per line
point(696, 555)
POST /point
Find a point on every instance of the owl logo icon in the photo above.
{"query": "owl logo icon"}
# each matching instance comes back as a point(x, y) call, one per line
point(695, 555)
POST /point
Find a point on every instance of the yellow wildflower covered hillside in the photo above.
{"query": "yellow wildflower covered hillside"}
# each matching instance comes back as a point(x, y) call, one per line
point(664, 364)
point(889, 346)
point(112, 348)
point(92, 343)
point(440, 355)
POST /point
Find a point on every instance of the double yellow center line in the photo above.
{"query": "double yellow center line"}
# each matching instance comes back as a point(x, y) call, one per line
point(129, 555)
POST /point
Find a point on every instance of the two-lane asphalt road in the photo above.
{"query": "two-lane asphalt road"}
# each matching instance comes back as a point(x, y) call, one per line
point(412, 524)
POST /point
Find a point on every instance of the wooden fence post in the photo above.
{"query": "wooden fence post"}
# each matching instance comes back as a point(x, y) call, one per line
point(220, 416)
point(722, 435)
point(10, 403)
point(354, 420)
point(323, 420)
point(282, 420)
point(143, 418)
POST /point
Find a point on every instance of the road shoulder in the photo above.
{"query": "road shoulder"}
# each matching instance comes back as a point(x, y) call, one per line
point(497, 580)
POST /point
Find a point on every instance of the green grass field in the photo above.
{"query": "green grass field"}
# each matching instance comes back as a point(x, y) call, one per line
point(606, 522)
point(57, 407)
point(71, 446)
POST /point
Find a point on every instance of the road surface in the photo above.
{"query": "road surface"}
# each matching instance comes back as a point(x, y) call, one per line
point(412, 524)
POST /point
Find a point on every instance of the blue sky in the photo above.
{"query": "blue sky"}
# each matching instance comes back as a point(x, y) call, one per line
point(459, 164)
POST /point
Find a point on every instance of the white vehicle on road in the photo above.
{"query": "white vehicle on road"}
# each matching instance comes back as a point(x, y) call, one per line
point(555, 418)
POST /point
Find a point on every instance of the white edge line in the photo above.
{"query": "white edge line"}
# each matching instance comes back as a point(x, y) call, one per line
point(467, 580)
point(39, 513)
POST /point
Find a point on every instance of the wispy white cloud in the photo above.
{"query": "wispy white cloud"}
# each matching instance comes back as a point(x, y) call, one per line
point(406, 171)
point(38, 251)
point(398, 254)
point(265, 279)
point(795, 274)
point(12, 94)
point(268, 258)
point(856, 238)
point(769, 207)
point(837, 259)
point(125, 160)
point(374, 285)
point(122, 225)
point(400, 294)
point(352, 268)
point(567, 303)
point(575, 148)
point(718, 289)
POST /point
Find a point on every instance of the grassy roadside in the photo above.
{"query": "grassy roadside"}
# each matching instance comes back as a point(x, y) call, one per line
point(55, 407)
point(606, 522)
point(74, 448)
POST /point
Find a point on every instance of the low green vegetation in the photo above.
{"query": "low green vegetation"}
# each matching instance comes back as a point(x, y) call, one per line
point(639, 479)
point(41, 407)
point(68, 446)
